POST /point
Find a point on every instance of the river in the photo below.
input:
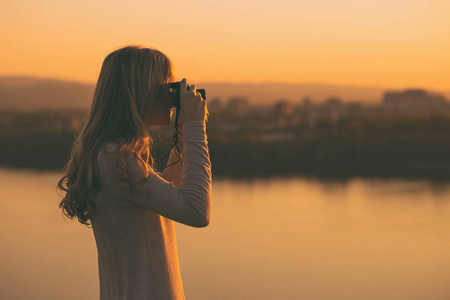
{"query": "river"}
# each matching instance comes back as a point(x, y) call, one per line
point(277, 238)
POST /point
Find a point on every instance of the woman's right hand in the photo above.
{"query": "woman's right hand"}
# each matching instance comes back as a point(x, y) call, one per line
point(192, 105)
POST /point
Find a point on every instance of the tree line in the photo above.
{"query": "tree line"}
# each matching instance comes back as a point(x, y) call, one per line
point(374, 145)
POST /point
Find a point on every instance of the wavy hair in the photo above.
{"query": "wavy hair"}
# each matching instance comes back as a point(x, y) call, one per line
point(130, 80)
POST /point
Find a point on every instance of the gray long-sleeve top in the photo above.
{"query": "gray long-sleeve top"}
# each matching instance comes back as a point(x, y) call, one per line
point(135, 235)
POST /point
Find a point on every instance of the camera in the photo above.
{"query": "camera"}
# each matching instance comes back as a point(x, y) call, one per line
point(176, 96)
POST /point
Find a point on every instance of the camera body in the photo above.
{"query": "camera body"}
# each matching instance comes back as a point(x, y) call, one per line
point(176, 97)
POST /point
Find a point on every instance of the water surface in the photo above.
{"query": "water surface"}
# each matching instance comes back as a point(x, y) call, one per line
point(279, 238)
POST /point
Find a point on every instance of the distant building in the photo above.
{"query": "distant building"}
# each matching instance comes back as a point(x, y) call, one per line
point(334, 104)
point(307, 112)
point(238, 105)
point(238, 102)
point(215, 104)
point(413, 100)
point(333, 109)
point(307, 103)
point(285, 114)
point(284, 108)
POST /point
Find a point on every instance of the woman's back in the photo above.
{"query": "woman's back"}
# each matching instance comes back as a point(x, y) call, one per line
point(135, 233)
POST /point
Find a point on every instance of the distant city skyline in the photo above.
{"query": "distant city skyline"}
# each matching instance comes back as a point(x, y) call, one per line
point(32, 93)
point(384, 43)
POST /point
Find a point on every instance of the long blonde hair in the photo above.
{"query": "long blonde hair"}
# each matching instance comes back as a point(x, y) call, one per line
point(130, 80)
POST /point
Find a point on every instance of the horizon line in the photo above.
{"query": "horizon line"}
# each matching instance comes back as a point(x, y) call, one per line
point(312, 83)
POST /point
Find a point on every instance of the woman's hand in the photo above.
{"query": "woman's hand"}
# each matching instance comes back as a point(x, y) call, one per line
point(192, 105)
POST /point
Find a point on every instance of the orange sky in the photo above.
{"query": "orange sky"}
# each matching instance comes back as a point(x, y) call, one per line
point(383, 43)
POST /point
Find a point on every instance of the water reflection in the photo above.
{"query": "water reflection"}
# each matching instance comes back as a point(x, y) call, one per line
point(277, 238)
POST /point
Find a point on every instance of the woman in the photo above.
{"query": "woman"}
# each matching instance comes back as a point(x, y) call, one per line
point(110, 178)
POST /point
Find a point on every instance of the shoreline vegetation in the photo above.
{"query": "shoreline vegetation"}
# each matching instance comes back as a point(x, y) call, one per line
point(382, 145)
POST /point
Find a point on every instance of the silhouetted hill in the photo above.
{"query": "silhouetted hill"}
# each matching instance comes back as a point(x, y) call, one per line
point(31, 93)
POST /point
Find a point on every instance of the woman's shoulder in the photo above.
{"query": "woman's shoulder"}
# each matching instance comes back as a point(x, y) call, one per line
point(133, 162)
point(106, 156)
point(110, 147)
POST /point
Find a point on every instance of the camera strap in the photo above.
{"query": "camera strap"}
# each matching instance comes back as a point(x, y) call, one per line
point(174, 142)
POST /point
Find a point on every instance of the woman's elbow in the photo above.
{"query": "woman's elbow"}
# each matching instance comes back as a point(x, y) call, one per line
point(202, 221)
point(200, 214)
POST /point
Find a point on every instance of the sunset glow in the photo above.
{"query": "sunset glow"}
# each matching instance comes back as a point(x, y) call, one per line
point(384, 43)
